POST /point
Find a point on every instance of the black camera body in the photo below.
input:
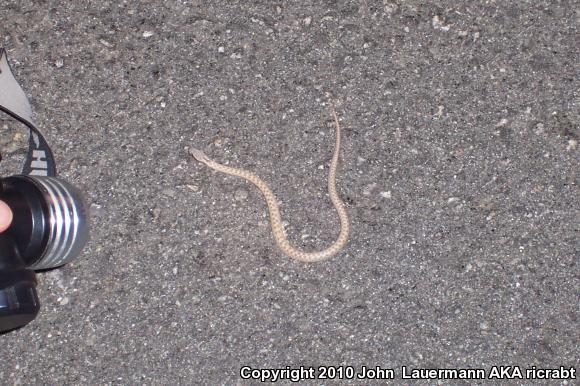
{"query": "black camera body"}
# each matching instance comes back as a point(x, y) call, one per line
point(50, 217)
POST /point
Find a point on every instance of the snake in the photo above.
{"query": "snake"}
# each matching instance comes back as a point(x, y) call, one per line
point(274, 210)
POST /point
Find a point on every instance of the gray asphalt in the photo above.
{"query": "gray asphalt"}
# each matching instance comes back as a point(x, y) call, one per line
point(459, 168)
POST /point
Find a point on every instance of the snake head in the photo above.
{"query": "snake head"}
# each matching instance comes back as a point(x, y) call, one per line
point(199, 155)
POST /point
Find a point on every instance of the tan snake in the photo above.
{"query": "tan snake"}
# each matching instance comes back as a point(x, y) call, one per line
point(276, 220)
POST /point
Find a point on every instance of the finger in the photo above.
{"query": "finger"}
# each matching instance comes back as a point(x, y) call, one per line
point(5, 216)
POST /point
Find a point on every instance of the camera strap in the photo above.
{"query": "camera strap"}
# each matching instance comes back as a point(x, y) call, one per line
point(13, 101)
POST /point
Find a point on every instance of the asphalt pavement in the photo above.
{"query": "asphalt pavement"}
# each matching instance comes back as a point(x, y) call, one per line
point(459, 169)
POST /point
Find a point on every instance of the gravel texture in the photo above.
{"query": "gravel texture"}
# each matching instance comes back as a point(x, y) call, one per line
point(459, 169)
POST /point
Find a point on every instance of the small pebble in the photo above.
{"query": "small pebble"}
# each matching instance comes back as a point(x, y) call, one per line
point(96, 210)
point(91, 340)
point(193, 188)
point(390, 7)
point(386, 194)
point(105, 43)
point(169, 193)
point(241, 194)
point(368, 190)
point(501, 123)
point(438, 23)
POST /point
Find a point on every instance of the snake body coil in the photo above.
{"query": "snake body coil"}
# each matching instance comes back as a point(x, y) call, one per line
point(274, 210)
